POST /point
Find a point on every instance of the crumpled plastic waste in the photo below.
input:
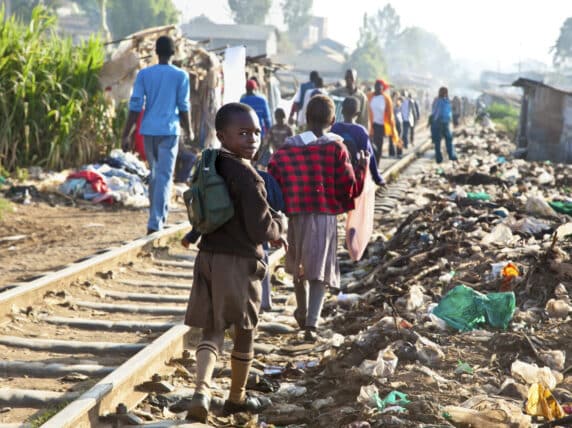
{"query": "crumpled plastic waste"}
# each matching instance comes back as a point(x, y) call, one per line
point(394, 398)
point(478, 196)
point(529, 226)
point(487, 412)
point(536, 205)
point(542, 403)
point(562, 207)
point(509, 273)
point(465, 309)
point(531, 374)
point(384, 366)
point(501, 235)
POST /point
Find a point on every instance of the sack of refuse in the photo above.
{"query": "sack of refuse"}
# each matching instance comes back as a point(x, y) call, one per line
point(465, 309)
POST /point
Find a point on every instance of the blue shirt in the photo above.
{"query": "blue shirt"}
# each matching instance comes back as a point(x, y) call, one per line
point(353, 132)
point(260, 106)
point(164, 91)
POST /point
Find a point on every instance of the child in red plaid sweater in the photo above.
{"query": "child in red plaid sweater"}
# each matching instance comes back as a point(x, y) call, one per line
point(318, 182)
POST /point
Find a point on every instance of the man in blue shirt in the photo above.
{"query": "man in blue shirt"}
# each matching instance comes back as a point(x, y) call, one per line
point(258, 104)
point(163, 90)
point(300, 95)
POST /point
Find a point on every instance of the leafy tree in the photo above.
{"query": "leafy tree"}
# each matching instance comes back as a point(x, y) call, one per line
point(129, 16)
point(386, 26)
point(22, 9)
point(417, 50)
point(367, 58)
point(249, 11)
point(563, 47)
point(297, 14)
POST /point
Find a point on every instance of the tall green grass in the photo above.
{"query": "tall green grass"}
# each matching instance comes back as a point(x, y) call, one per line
point(52, 112)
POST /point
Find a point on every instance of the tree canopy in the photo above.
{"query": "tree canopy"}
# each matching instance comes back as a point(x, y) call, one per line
point(297, 14)
point(367, 58)
point(250, 11)
point(124, 16)
point(563, 47)
point(385, 25)
point(129, 16)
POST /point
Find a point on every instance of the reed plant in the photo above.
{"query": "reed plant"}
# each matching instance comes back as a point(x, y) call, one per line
point(52, 111)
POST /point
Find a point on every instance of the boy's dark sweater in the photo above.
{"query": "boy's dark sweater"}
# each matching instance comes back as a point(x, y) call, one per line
point(253, 222)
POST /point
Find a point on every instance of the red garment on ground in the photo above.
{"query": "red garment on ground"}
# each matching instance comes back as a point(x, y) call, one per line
point(139, 144)
point(96, 180)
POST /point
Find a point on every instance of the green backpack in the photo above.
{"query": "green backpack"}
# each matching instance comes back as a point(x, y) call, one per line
point(208, 203)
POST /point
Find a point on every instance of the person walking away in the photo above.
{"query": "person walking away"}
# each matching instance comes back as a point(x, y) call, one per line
point(441, 115)
point(163, 90)
point(356, 138)
point(414, 105)
point(399, 127)
point(407, 119)
point(275, 137)
point(382, 117)
point(456, 108)
point(318, 89)
point(299, 98)
point(228, 268)
point(318, 182)
point(352, 90)
point(259, 105)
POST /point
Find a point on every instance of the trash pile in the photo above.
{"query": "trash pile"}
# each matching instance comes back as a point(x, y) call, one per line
point(458, 314)
point(121, 177)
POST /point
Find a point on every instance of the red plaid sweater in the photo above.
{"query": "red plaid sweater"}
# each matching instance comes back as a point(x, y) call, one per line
point(317, 177)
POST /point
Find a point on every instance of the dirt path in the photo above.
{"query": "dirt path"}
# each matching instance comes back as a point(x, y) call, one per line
point(58, 235)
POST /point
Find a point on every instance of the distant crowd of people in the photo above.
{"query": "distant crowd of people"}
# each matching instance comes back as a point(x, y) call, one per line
point(306, 177)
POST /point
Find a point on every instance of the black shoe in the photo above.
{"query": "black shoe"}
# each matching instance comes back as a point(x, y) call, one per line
point(250, 404)
point(151, 231)
point(310, 335)
point(198, 408)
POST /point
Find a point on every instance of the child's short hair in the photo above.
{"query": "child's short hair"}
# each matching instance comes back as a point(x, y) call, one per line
point(279, 112)
point(320, 110)
point(350, 106)
point(165, 46)
point(224, 114)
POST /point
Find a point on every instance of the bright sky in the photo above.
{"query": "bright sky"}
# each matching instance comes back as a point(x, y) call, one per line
point(492, 33)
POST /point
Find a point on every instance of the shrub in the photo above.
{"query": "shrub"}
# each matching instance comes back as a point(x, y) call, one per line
point(505, 116)
point(52, 111)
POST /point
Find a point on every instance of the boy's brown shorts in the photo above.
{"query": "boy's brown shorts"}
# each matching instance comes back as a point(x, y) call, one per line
point(226, 290)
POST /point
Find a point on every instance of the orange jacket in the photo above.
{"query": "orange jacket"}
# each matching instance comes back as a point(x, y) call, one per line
point(388, 119)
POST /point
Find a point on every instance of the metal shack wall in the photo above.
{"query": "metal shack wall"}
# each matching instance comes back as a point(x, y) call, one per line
point(545, 125)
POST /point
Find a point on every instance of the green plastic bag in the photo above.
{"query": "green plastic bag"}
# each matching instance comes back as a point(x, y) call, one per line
point(479, 196)
point(561, 207)
point(394, 398)
point(465, 309)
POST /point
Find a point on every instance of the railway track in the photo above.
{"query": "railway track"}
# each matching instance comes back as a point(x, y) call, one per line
point(87, 343)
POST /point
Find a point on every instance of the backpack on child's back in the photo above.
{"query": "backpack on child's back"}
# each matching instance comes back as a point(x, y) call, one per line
point(208, 202)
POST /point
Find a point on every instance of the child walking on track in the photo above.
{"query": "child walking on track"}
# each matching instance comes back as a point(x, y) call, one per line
point(318, 182)
point(229, 268)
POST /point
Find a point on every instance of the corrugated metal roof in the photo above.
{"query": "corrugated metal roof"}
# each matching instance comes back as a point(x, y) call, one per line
point(527, 83)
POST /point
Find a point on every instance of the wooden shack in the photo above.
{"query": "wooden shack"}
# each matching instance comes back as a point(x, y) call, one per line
point(545, 127)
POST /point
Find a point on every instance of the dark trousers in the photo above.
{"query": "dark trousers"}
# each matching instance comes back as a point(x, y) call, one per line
point(405, 133)
point(378, 135)
point(412, 134)
point(438, 132)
